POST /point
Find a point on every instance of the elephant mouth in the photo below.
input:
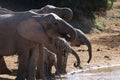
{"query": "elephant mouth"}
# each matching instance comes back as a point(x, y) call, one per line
point(66, 36)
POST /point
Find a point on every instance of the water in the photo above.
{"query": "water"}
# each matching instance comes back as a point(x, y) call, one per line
point(111, 72)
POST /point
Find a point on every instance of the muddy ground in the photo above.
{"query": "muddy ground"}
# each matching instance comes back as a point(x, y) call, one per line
point(105, 45)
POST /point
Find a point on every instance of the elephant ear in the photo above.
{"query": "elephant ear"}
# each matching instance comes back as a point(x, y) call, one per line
point(30, 29)
point(48, 22)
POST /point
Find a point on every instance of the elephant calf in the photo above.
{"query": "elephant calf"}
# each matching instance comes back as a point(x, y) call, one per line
point(62, 51)
point(49, 59)
point(61, 48)
point(80, 39)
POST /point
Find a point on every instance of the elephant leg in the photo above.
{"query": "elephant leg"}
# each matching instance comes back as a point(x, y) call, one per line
point(40, 73)
point(33, 63)
point(3, 67)
point(23, 65)
point(64, 65)
point(61, 64)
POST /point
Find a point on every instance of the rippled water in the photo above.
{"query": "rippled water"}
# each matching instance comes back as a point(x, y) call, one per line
point(111, 72)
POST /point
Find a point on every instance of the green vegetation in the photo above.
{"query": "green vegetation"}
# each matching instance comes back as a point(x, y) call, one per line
point(99, 26)
point(110, 4)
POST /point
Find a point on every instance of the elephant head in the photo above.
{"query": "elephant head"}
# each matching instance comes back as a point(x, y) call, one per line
point(81, 39)
point(37, 27)
point(64, 13)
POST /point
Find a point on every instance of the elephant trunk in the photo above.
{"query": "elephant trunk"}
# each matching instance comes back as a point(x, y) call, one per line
point(88, 44)
point(77, 64)
point(89, 50)
point(67, 14)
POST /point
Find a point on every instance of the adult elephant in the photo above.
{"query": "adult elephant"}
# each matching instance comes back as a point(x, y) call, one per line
point(64, 13)
point(24, 31)
point(60, 47)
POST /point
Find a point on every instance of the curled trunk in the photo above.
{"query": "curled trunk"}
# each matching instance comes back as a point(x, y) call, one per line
point(77, 64)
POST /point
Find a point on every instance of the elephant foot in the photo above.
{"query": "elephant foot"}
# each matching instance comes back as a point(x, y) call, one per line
point(39, 76)
point(61, 72)
point(51, 78)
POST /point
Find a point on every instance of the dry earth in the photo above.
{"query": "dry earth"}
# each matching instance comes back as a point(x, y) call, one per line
point(105, 45)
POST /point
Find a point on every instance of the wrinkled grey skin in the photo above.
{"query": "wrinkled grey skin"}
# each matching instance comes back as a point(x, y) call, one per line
point(61, 48)
point(22, 32)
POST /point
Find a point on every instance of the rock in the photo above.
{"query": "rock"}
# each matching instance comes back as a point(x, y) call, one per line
point(106, 56)
point(99, 49)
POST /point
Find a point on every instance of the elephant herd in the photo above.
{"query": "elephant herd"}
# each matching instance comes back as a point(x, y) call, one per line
point(41, 38)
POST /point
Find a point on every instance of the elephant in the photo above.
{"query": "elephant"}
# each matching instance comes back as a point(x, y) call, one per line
point(24, 31)
point(49, 61)
point(60, 47)
point(80, 39)
point(64, 13)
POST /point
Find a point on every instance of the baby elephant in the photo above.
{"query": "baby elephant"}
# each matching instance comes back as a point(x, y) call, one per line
point(61, 48)
point(49, 59)
point(80, 39)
